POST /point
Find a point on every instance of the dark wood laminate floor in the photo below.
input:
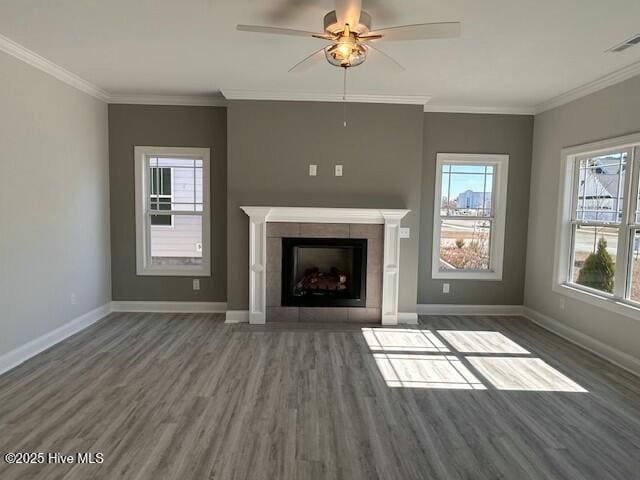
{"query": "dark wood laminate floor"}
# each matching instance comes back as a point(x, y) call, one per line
point(188, 397)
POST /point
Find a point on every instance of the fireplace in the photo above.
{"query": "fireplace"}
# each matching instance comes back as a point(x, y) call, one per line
point(324, 272)
point(268, 226)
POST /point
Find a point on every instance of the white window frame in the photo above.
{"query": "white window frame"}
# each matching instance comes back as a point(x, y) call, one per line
point(563, 258)
point(170, 197)
point(143, 253)
point(499, 206)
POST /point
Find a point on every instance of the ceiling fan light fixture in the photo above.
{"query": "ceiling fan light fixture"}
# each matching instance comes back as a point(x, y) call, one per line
point(345, 54)
point(348, 28)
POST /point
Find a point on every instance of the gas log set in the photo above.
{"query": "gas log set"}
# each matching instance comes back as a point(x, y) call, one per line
point(323, 272)
point(316, 282)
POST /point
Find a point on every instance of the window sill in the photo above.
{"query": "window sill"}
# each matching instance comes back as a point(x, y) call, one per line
point(174, 273)
point(615, 305)
point(482, 276)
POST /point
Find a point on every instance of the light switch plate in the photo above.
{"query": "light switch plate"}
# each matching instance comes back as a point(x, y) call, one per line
point(338, 170)
point(196, 284)
point(445, 288)
point(405, 232)
point(313, 170)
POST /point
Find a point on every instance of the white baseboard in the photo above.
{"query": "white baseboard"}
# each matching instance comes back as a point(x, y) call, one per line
point(237, 316)
point(169, 307)
point(18, 355)
point(24, 352)
point(607, 352)
point(407, 318)
point(450, 309)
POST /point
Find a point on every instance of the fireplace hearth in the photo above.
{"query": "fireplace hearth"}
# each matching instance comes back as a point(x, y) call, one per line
point(324, 272)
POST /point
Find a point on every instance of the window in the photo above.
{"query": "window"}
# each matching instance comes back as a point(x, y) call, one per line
point(598, 244)
point(469, 216)
point(160, 190)
point(172, 211)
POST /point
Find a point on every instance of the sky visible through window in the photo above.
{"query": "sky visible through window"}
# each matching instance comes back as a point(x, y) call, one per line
point(459, 180)
point(600, 187)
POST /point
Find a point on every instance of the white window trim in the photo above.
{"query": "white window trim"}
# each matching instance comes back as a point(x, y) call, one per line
point(560, 284)
point(143, 266)
point(499, 203)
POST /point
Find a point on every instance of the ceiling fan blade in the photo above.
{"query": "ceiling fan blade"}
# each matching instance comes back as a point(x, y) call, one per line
point(307, 62)
point(420, 31)
point(277, 31)
point(348, 11)
point(376, 53)
point(370, 37)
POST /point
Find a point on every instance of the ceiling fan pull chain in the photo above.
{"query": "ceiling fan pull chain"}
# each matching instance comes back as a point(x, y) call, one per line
point(344, 98)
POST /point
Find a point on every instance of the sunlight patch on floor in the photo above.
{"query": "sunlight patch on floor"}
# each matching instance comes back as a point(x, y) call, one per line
point(425, 371)
point(401, 340)
point(524, 374)
point(461, 359)
point(471, 341)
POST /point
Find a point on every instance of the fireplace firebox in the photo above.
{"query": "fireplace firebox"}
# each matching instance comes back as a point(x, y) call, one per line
point(324, 272)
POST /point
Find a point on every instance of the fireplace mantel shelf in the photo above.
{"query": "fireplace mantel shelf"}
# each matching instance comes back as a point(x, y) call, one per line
point(259, 216)
point(324, 215)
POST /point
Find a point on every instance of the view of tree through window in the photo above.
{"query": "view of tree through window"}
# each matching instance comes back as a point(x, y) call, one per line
point(599, 208)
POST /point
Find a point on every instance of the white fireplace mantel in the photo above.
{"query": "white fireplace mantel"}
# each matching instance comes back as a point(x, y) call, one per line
point(259, 216)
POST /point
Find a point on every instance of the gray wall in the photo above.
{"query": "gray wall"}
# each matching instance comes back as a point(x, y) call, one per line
point(479, 133)
point(608, 113)
point(166, 126)
point(54, 203)
point(271, 145)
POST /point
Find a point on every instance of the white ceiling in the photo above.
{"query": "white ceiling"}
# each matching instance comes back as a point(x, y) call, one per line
point(512, 54)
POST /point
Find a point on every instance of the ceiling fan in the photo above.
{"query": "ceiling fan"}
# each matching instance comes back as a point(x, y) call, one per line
point(348, 29)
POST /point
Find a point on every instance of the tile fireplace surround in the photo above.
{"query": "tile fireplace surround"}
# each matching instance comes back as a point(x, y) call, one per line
point(267, 226)
point(373, 279)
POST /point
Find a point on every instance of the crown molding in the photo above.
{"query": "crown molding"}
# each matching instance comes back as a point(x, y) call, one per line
point(185, 100)
point(232, 94)
point(22, 53)
point(605, 81)
point(29, 57)
point(479, 109)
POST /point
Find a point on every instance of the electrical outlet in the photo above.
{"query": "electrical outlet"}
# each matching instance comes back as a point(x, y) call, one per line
point(313, 170)
point(445, 288)
point(196, 284)
point(338, 170)
point(73, 299)
point(405, 232)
